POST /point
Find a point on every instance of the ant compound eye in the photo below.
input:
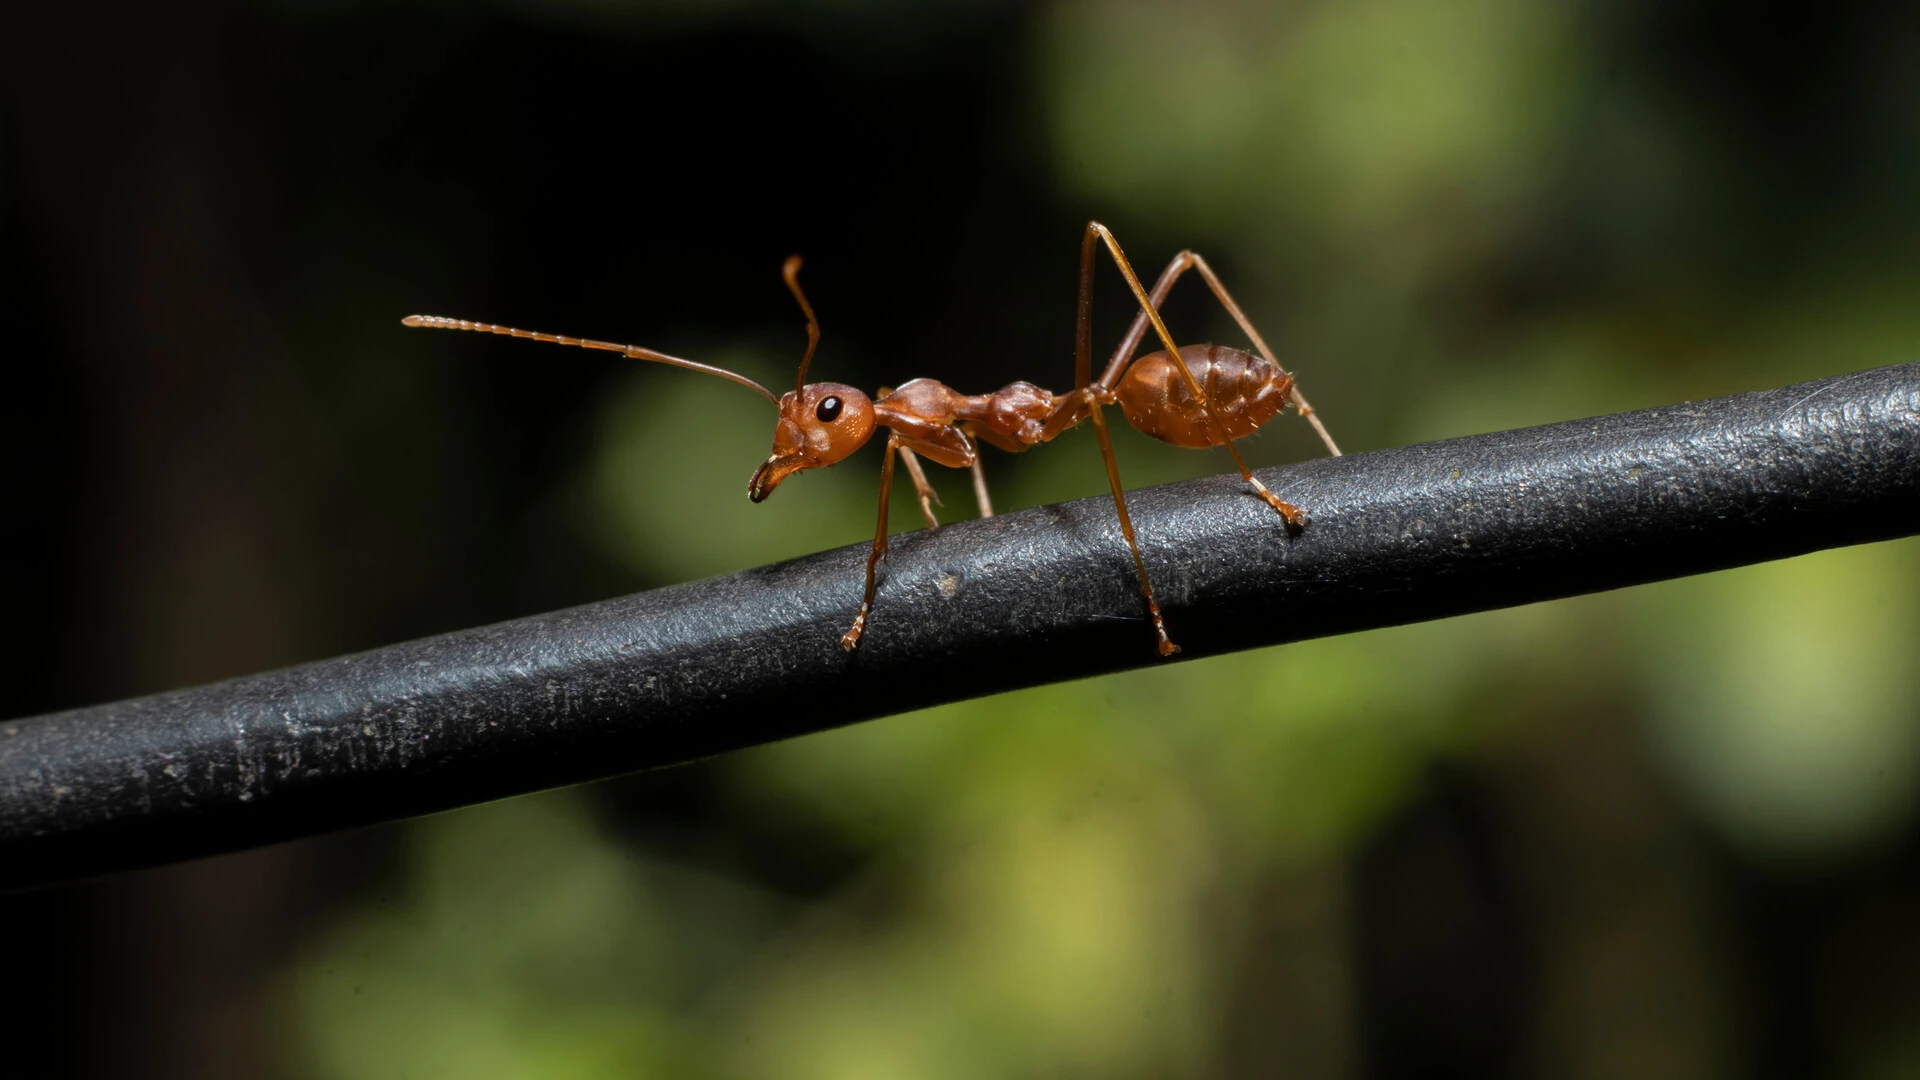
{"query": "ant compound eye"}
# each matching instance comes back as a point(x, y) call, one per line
point(829, 410)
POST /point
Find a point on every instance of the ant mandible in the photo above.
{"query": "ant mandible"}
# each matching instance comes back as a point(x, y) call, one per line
point(1212, 397)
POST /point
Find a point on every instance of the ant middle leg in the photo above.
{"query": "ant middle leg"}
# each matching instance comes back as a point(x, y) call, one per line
point(972, 432)
point(980, 490)
point(929, 498)
point(960, 451)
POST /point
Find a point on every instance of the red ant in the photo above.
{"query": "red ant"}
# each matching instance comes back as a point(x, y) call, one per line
point(821, 423)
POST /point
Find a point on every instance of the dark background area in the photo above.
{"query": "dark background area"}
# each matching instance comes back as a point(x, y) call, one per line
point(224, 454)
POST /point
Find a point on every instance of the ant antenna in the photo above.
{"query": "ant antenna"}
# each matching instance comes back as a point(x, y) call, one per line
point(441, 322)
point(791, 271)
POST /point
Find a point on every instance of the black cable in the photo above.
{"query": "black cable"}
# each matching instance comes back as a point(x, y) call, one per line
point(975, 608)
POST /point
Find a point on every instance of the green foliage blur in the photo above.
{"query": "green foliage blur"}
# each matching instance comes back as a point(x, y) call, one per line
point(1179, 871)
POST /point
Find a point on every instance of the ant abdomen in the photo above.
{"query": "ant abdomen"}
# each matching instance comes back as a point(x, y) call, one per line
point(1243, 391)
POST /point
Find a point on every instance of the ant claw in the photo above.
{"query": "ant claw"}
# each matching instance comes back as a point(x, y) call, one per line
point(851, 638)
point(1296, 518)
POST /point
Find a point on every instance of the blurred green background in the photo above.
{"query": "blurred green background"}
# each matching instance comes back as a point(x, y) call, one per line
point(1664, 832)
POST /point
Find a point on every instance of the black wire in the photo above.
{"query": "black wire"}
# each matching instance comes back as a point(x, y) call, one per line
point(975, 608)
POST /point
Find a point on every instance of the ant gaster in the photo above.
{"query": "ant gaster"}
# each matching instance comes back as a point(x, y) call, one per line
point(1212, 397)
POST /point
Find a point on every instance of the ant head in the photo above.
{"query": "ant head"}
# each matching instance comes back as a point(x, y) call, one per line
point(819, 424)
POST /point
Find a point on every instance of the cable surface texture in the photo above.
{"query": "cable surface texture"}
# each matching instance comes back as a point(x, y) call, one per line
point(1031, 597)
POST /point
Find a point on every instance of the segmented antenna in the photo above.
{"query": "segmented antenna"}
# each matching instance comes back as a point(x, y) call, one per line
point(441, 322)
point(791, 271)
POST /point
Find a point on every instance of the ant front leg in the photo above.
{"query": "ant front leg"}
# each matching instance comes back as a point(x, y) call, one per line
point(852, 637)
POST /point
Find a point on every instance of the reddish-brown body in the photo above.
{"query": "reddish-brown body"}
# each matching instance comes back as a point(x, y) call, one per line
point(1243, 391)
point(1213, 396)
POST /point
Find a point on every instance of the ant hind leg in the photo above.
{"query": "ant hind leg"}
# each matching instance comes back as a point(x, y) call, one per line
point(1091, 394)
point(1246, 326)
point(1149, 310)
point(1192, 260)
point(1166, 645)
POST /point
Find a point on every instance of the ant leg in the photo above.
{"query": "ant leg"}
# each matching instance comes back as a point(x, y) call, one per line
point(1083, 358)
point(929, 498)
point(1295, 517)
point(1123, 356)
point(852, 636)
point(979, 476)
point(1246, 324)
point(1191, 260)
point(1166, 646)
point(1083, 377)
point(980, 489)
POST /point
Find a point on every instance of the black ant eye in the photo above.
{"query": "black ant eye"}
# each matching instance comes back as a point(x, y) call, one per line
point(829, 410)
